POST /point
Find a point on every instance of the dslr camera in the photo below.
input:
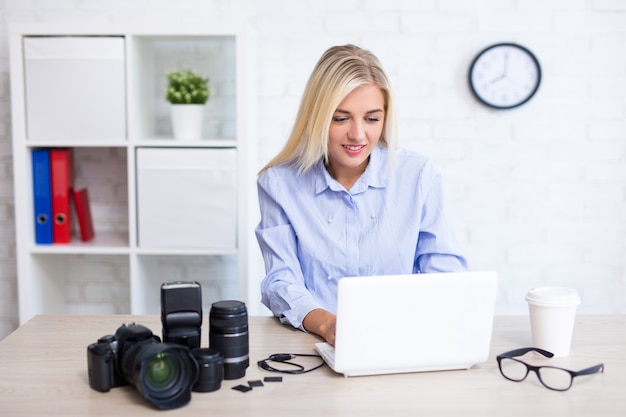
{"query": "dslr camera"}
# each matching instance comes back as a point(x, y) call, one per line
point(163, 373)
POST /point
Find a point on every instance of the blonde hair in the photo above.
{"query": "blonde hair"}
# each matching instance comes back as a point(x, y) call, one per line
point(338, 72)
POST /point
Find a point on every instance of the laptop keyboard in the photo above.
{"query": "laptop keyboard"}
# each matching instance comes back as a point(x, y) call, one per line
point(328, 353)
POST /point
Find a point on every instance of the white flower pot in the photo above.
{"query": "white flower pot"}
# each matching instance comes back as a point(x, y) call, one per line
point(187, 121)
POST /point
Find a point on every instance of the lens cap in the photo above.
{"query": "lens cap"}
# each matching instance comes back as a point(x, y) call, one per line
point(229, 307)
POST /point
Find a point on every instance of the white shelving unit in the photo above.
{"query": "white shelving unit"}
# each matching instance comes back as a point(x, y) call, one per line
point(114, 273)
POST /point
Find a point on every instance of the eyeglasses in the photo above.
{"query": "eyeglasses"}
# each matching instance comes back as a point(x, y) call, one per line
point(551, 377)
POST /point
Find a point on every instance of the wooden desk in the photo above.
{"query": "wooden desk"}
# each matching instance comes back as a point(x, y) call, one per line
point(43, 372)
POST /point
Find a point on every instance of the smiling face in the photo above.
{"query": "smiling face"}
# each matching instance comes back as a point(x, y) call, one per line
point(355, 129)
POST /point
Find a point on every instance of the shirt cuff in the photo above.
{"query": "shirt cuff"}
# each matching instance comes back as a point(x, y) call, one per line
point(295, 316)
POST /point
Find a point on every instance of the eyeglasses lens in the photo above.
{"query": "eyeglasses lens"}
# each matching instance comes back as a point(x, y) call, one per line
point(555, 378)
point(513, 369)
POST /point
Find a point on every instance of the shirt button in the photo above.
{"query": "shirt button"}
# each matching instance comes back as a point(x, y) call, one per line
point(329, 278)
point(330, 220)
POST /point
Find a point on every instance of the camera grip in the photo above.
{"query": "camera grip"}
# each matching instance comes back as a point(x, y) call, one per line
point(100, 366)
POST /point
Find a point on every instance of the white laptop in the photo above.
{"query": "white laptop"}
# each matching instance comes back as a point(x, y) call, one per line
point(412, 323)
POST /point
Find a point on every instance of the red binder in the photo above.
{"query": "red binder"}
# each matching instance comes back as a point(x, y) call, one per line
point(61, 183)
point(83, 213)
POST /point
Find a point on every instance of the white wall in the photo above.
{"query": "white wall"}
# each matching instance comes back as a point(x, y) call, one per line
point(537, 193)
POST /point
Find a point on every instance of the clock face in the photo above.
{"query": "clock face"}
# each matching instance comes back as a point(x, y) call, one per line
point(505, 75)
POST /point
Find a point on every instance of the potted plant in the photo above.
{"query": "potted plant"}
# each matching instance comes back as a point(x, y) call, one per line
point(187, 92)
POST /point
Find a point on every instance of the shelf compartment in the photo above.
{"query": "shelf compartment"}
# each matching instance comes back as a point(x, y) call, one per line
point(61, 102)
point(186, 198)
point(155, 56)
point(216, 274)
point(78, 284)
point(103, 171)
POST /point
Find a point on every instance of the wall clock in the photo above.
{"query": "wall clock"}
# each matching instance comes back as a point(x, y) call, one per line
point(504, 75)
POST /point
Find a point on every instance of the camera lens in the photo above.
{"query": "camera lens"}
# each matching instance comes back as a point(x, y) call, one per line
point(163, 373)
point(210, 363)
point(228, 333)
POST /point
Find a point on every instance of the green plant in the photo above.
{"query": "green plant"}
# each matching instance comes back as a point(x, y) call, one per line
point(186, 87)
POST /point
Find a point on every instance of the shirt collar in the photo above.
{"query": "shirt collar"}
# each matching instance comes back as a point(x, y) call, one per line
point(375, 174)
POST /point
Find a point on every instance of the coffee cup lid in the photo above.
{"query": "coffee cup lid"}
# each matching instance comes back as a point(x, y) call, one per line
point(553, 297)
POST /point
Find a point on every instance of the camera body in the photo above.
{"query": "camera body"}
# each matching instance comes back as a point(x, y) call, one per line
point(163, 373)
point(103, 357)
point(181, 313)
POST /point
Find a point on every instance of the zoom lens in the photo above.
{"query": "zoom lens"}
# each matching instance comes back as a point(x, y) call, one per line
point(228, 333)
point(163, 373)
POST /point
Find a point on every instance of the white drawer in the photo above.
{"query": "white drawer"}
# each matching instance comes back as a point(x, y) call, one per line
point(187, 198)
point(75, 88)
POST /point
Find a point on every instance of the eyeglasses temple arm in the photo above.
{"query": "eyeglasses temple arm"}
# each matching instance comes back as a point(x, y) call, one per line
point(591, 370)
point(523, 351)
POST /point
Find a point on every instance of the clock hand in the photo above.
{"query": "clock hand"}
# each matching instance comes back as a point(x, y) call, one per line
point(495, 80)
point(506, 63)
point(505, 69)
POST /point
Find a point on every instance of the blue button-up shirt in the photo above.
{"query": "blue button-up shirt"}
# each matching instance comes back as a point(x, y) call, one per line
point(313, 231)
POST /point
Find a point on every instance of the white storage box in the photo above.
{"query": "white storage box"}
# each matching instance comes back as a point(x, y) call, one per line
point(75, 88)
point(187, 198)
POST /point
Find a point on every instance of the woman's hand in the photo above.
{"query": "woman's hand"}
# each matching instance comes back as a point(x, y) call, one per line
point(322, 323)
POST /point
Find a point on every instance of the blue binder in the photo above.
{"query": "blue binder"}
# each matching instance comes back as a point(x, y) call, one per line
point(42, 195)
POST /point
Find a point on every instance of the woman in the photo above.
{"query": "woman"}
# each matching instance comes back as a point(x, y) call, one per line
point(340, 199)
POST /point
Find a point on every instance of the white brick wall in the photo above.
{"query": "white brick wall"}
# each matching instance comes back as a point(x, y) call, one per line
point(538, 193)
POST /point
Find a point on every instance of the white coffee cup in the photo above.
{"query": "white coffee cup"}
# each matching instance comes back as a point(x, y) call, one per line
point(552, 313)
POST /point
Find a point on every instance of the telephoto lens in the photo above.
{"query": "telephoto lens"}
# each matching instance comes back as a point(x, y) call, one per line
point(210, 363)
point(228, 333)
